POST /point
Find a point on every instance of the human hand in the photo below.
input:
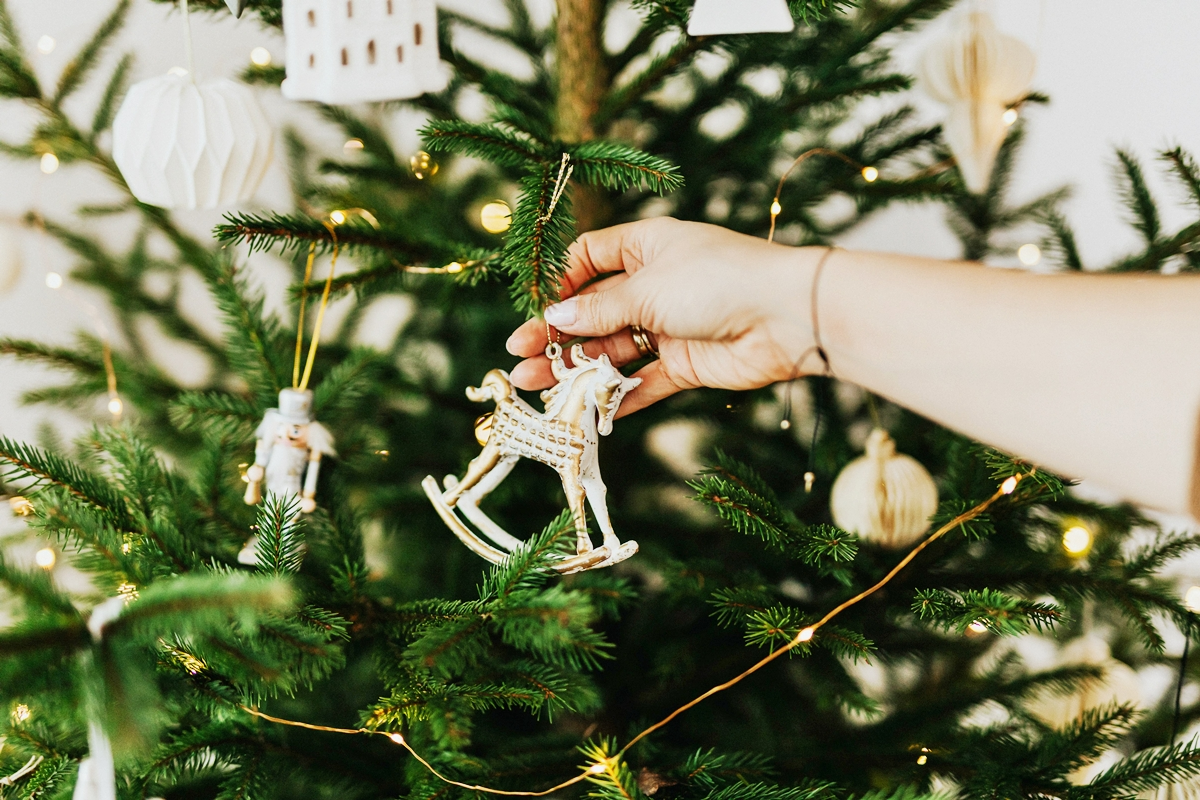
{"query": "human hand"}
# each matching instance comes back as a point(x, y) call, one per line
point(728, 311)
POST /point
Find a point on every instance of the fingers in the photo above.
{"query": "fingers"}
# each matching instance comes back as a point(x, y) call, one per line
point(530, 339)
point(615, 249)
point(598, 313)
point(658, 383)
point(534, 372)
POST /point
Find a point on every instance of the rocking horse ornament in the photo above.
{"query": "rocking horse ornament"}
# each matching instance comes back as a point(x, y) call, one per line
point(579, 410)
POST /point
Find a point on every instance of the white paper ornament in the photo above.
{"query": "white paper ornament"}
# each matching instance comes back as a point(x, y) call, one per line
point(237, 6)
point(97, 778)
point(978, 73)
point(1117, 686)
point(183, 145)
point(356, 51)
point(884, 497)
point(716, 17)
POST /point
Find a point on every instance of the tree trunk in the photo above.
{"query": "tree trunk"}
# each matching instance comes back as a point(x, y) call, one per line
point(582, 84)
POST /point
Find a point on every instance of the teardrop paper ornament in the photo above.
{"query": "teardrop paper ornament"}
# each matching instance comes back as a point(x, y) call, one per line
point(237, 6)
point(358, 51)
point(183, 145)
point(885, 497)
point(977, 72)
point(716, 17)
point(1118, 685)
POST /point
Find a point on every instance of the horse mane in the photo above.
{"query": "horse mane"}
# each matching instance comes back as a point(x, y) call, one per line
point(556, 397)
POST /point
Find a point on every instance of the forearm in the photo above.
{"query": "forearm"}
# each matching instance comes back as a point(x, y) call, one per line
point(1092, 376)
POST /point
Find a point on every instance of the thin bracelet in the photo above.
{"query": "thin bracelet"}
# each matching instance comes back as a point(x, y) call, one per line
point(818, 346)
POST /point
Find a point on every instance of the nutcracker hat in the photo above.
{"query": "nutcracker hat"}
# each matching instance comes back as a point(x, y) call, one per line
point(296, 405)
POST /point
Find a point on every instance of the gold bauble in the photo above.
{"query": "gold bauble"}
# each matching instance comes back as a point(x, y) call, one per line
point(885, 497)
point(496, 217)
point(423, 166)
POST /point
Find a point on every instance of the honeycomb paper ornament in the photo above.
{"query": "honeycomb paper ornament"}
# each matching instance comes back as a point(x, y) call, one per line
point(717, 17)
point(978, 73)
point(884, 497)
point(1118, 685)
point(185, 145)
point(356, 51)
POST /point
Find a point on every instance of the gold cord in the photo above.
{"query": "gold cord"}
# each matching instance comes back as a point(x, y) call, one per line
point(316, 339)
point(804, 636)
point(308, 268)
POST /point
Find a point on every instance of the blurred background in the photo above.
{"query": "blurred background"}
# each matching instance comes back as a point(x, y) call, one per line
point(1112, 82)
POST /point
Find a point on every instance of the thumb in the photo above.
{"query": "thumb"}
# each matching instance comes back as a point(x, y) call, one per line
point(594, 313)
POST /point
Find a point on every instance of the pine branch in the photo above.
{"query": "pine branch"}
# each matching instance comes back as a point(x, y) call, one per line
point(280, 536)
point(501, 146)
point(296, 232)
point(117, 85)
point(1001, 613)
point(618, 166)
point(535, 252)
point(77, 70)
point(1137, 197)
point(47, 469)
point(215, 414)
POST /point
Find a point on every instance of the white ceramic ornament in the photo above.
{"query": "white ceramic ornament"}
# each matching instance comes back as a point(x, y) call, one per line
point(884, 497)
point(183, 145)
point(978, 72)
point(357, 51)
point(236, 6)
point(717, 17)
point(1118, 685)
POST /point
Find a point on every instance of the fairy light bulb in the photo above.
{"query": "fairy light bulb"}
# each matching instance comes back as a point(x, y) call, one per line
point(785, 425)
point(1029, 254)
point(338, 217)
point(870, 174)
point(1192, 600)
point(496, 217)
point(21, 713)
point(776, 209)
point(353, 144)
point(46, 45)
point(1077, 540)
point(116, 407)
point(596, 769)
point(454, 267)
point(1009, 486)
point(49, 164)
point(260, 57)
point(397, 738)
point(1010, 117)
point(45, 558)
point(54, 280)
point(807, 634)
point(978, 626)
point(809, 479)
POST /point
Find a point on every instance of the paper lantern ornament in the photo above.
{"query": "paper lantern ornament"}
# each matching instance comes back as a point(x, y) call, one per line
point(884, 497)
point(978, 73)
point(357, 51)
point(717, 17)
point(183, 145)
point(1118, 685)
point(237, 6)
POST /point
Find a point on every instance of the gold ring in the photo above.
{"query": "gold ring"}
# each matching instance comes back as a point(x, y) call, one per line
point(641, 340)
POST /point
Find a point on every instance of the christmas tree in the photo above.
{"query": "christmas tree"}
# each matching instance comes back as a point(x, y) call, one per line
point(366, 653)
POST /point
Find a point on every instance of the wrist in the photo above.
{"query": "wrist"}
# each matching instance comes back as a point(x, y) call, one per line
point(795, 308)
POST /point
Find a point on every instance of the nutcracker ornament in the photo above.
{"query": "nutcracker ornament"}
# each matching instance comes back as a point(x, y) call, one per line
point(579, 410)
point(291, 444)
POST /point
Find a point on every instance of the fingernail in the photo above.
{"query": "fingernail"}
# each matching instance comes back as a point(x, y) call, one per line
point(511, 345)
point(563, 314)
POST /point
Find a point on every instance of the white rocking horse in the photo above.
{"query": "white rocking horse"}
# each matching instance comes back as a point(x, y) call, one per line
point(579, 410)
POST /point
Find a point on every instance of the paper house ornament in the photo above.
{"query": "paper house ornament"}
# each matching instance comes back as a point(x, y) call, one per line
point(180, 144)
point(716, 17)
point(356, 51)
point(236, 6)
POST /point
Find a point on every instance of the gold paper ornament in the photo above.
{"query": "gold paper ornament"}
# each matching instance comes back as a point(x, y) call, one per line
point(978, 73)
point(885, 497)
